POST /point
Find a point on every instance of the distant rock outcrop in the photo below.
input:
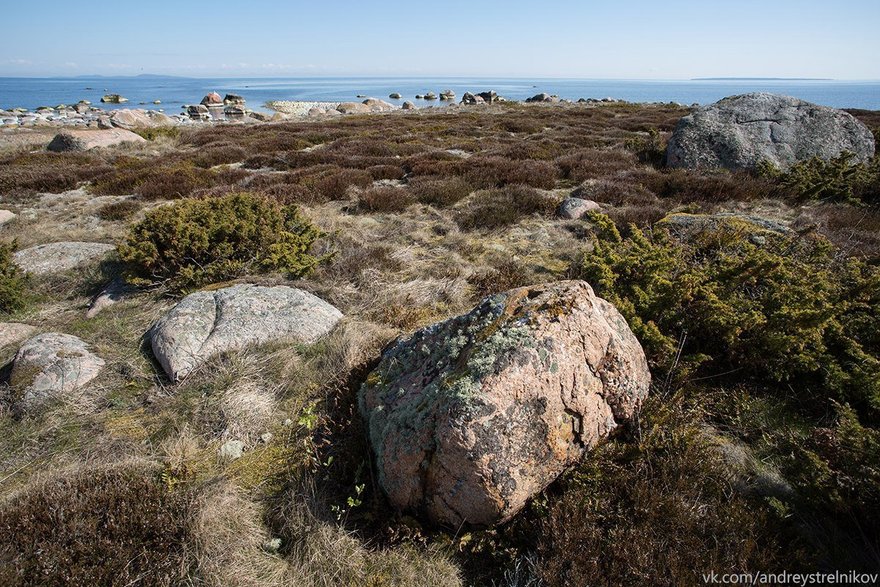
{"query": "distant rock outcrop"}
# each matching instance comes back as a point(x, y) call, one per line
point(212, 99)
point(48, 365)
point(471, 417)
point(114, 99)
point(83, 140)
point(740, 132)
point(62, 256)
point(207, 323)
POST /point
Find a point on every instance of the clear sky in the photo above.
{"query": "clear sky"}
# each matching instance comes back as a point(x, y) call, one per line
point(633, 39)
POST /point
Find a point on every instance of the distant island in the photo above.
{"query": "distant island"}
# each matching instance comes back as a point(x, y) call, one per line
point(762, 79)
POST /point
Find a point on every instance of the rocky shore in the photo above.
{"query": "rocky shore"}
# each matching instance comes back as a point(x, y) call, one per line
point(232, 109)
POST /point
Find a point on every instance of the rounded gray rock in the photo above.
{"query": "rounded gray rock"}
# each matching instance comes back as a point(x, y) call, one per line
point(49, 365)
point(575, 208)
point(207, 323)
point(56, 257)
point(740, 132)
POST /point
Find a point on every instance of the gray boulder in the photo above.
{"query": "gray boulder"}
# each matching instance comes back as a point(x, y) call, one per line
point(49, 365)
point(575, 208)
point(471, 417)
point(395, 96)
point(740, 132)
point(83, 140)
point(408, 106)
point(207, 323)
point(6, 216)
point(63, 256)
point(14, 332)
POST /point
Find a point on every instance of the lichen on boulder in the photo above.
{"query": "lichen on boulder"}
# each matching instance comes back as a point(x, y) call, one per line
point(471, 417)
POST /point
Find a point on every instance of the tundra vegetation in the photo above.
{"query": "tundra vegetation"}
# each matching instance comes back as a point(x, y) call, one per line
point(759, 448)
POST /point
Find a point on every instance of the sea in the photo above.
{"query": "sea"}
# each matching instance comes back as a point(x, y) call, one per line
point(174, 92)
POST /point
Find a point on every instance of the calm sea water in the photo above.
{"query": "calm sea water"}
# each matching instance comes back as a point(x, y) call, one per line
point(176, 91)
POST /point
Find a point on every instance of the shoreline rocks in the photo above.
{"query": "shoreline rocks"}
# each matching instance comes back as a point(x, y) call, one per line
point(471, 417)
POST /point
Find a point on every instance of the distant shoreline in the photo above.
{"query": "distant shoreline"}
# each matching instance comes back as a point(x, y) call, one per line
point(763, 79)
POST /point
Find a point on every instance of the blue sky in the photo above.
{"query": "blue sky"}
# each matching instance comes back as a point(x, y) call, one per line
point(635, 39)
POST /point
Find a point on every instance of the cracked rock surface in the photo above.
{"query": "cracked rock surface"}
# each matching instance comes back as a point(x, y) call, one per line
point(471, 417)
point(62, 256)
point(51, 364)
point(207, 323)
point(740, 132)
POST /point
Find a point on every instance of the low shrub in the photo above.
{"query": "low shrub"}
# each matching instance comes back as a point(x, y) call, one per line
point(12, 281)
point(787, 311)
point(650, 149)
point(385, 199)
point(118, 526)
point(195, 242)
point(440, 193)
point(496, 208)
point(334, 185)
point(656, 508)
point(122, 210)
point(493, 172)
point(502, 277)
point(176, 181)
point(587, 164)
point(151, 134)
point(840, 179)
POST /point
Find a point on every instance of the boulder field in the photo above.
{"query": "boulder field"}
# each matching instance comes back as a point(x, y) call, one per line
point(471, 417)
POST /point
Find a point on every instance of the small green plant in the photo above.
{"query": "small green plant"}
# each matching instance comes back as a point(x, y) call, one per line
point(195, 242)
point(12, 281)
point(151, 134)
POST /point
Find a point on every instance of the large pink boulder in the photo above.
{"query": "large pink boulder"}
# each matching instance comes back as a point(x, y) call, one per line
point(471, 417)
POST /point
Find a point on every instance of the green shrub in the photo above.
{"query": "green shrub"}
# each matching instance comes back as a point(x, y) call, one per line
point(195, 242)
point(12, 281)
point(840, 179)
point(787, 312)
point(106, 527)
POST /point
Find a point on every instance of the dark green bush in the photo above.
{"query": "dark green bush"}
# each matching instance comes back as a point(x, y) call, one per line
point(787, 312)
point(195, 242)
point(12, 281)
point(840, 179)
point(106, 527)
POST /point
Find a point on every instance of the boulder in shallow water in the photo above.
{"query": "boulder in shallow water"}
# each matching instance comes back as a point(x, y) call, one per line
point(471, 417)
point(741, 132)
